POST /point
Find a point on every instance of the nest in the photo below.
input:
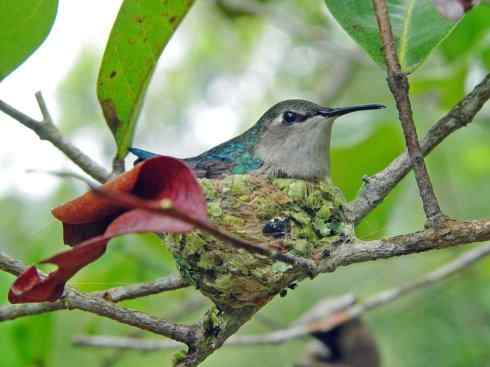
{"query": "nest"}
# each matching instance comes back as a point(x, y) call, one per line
point(293, 216)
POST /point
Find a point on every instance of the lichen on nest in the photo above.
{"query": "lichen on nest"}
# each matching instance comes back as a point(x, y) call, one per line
point(242, 205)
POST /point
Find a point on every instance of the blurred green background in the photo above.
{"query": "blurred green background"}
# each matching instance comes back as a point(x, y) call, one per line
point(240, 57)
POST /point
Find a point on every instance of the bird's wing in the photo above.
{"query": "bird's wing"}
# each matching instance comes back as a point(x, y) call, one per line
point(212, 167)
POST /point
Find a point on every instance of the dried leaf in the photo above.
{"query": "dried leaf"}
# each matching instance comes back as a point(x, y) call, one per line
point(31, 287)
point(90, 221)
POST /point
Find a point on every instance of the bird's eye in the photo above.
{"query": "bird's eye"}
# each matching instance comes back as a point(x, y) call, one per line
point(289, 117)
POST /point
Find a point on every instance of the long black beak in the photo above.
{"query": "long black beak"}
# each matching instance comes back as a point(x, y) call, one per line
point(336, 112)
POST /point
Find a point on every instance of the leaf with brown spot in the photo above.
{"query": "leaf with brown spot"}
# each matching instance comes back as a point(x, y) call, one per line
point(137, 40)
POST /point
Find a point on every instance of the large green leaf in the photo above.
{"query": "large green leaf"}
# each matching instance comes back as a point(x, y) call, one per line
point(138, 37)
point(417, 27)
point(24, 25)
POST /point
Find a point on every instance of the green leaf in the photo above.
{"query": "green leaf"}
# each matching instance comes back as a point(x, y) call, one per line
point(24, 25)
point(417, 26)
point(138, 37)
point(470, 32)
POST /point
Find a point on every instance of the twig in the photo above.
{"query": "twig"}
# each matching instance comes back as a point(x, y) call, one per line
point(398, 83)
point(449, 233)
point(385, 297)
point(377, 187)
point(117, 166)
point(164, 284)
point(96, 305)
point(46, 130)
point(460, 263)
point(166, 209)
point(126, 343)
point(185, 309)
point(10, 265)
point(117, 294)
point(324, 316)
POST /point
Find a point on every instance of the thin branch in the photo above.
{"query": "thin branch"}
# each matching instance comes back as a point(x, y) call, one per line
point(10, 265)
point(44, 108)
point(382, 298)
point(137, 290)
point(125, 343)
point(398, 83)
point(12, 312)
point(385, 297)
point(118, 294)
point(117, 166)
point(377, 187)
point(165, 208)
point(447, 234)
point(96, 305)
point(324, 316)
point(46, 130)
point(300, 329)
point(164, 284)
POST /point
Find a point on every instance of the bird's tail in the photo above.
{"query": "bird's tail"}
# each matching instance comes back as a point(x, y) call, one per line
point(142, 154)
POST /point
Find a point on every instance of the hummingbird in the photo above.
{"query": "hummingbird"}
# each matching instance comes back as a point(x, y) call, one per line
point(270, 185)
point(290, 140)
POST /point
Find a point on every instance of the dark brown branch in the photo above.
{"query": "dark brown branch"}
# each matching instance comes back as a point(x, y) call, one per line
point(47, 130)
point(398, 83)
point(377, 187)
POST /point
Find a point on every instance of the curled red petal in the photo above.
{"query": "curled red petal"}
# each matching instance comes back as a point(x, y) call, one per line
point(154, 179)
point(139, 220)
point(31, 287)
point(179, 186)
point(90, 207)
point(172, 179)
point(91, 220)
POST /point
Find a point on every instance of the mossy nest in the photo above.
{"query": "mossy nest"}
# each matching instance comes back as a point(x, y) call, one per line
point(294, 216)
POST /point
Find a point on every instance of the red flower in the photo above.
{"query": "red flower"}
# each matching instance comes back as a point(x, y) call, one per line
point(90, 221)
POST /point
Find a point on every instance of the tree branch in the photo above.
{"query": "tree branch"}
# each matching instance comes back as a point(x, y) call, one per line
point(164, 284)
point(448, 233)
point(324, 316)
point(46, 130)
point(183, 333)
point(117, 294)
point(398, 83)
point(377, 187)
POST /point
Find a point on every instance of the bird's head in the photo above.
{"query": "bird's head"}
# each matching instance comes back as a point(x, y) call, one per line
point(294, 139)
